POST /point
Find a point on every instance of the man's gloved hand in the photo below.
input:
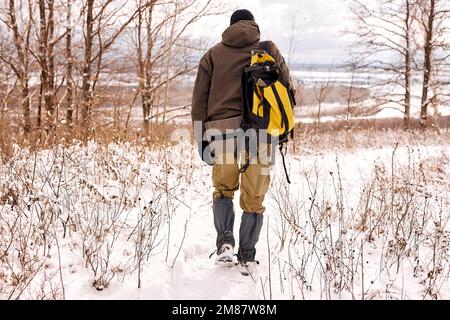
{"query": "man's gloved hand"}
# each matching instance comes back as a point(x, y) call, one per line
point(204, 150)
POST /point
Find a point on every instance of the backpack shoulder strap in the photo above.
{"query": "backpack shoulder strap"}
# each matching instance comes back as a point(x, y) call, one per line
point(283, 156)
point(265, 45)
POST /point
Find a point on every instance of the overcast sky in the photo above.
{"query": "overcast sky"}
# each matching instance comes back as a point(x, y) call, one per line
point(318, 25)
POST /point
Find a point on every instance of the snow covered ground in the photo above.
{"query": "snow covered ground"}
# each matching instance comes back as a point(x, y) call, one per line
point(96, 222)
point(337, 80)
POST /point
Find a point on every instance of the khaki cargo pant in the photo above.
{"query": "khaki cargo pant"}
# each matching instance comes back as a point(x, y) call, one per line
point(254, 182)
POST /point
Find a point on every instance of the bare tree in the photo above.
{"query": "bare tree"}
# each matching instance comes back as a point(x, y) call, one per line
point(17, 20)
point(384, 33)
point(86, 89)
point(46, 62)
point(145, 64)
point(349, 93)
point(163, 50)
point(8, 84)
point(60, 53)
point(321, 91)
point(169, 61)
point(104, 22)
point(293, 38)
point(69, 68)
point(432, 17)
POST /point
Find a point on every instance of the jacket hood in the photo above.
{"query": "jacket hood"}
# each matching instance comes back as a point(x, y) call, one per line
point(241, 34)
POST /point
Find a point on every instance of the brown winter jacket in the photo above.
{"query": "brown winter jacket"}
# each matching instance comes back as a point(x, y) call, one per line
point(217, 97)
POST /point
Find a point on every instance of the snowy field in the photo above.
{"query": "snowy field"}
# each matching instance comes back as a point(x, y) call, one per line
point(334, 106)
point(125, 222)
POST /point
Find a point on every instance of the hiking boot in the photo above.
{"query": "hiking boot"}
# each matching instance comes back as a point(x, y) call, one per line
point(249, 268)
point(225, 255)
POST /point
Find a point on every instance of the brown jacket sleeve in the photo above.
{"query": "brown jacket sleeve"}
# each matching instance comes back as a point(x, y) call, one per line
point(202, 85)
point(286, 75)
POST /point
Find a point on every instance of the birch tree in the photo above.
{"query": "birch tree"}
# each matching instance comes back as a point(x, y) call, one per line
point(46, 61)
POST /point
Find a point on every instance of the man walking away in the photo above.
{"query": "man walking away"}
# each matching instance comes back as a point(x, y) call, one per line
point(217, 105)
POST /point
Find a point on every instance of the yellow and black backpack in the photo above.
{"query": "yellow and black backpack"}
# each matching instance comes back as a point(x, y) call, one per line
point(268, 102)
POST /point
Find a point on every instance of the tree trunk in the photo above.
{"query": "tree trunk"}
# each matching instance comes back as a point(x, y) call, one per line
point(51, 98)
point(141, 67)
point(47, 64)
point(145, 66)
point(169, 65)
point(43, 63)
point(148, 62)
point(22, 47)
point(26, 105)
point(69, 71)
point(428, 50)
point(86, 89)
point(408, 69)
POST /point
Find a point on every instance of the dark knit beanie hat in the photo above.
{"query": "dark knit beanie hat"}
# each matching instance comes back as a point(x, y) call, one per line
point(241, 15)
